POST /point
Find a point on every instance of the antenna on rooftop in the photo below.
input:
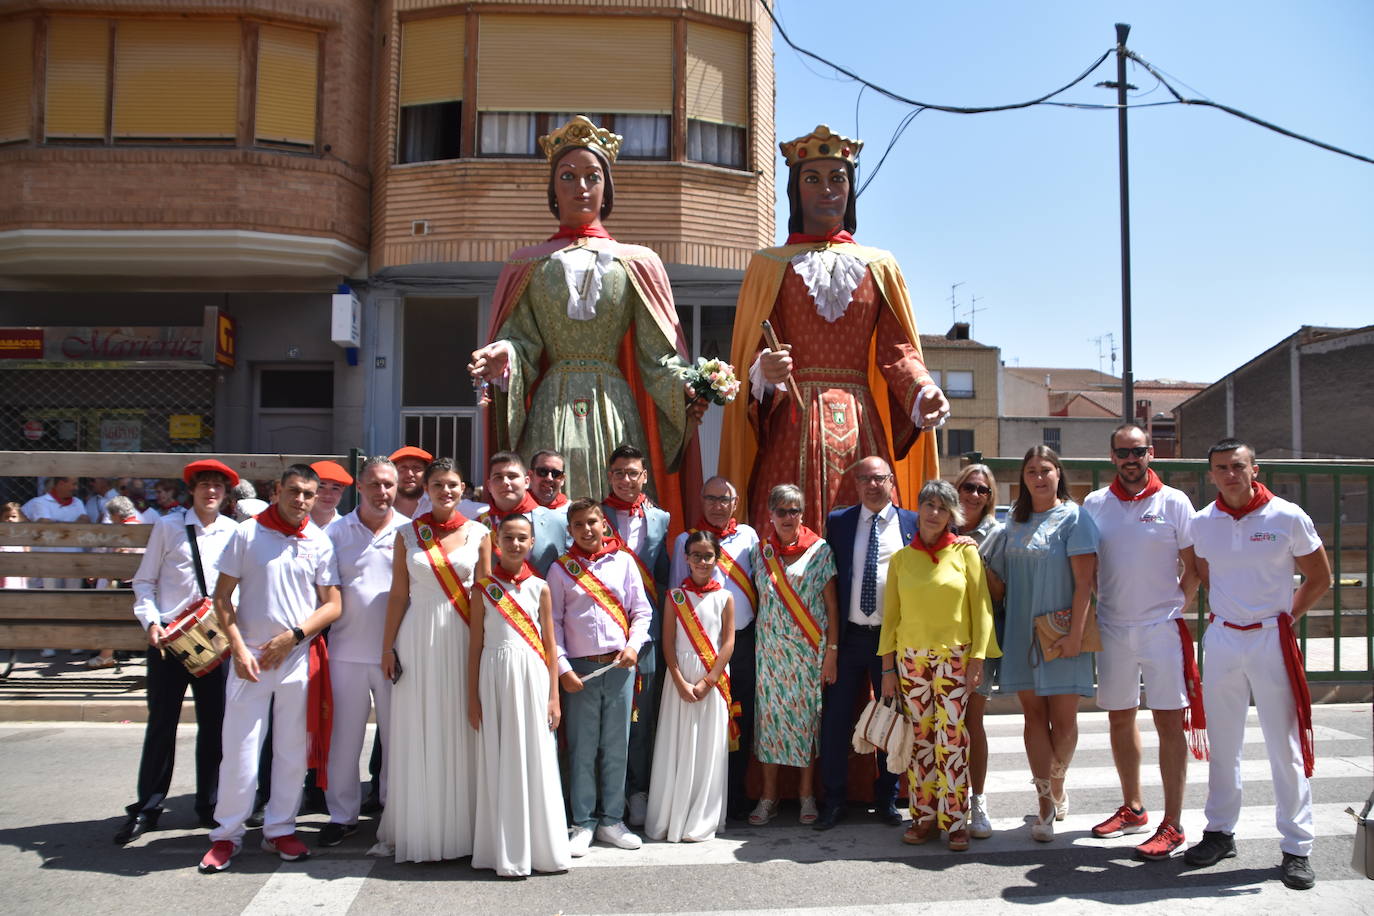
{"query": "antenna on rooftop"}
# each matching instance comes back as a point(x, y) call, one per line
point(954, 303)
point(973, 309)
point(1110, 338)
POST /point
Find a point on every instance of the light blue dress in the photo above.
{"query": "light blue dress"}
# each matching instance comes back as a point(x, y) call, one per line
point(1032, 558)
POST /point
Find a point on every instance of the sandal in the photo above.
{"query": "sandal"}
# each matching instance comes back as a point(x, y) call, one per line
point(767, 810)
point(809, 811)
point(958, 839)
point(1061, 803)
point(1042, 828)
point(919, 832)
point(95, 661)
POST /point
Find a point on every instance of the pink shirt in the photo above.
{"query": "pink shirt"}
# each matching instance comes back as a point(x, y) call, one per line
point(581, 627)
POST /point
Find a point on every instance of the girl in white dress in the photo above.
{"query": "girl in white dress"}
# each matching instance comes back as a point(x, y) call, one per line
point(687, 790)
point(432, 784)
point(513, 705)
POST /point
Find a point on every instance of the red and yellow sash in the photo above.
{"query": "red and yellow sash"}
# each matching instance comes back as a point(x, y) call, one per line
point(448, 578)
point(514, 614)
point(603, 596)
point(644, 575)
point(706, 652)
point(736, 574)
point(777, 575)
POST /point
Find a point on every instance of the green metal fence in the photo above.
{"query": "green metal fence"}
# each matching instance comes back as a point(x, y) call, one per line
point(1337, 636)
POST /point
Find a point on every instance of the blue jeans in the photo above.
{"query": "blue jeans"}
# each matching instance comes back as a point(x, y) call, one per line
point(597, 722)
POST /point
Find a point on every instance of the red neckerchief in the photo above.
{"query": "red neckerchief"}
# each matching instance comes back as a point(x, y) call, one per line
point(805, 538)
point(1152, 486)
point(131, 520)
point(946, 538)
point(64, 502)
point(620, 505)
point(455, 521)
point(608, 547)
point(1261, 496)
point(559, 501)
point(271, 518)
point(589, 231)
point(499, 572)
point(526, 505)
point(801, 238)
point(689, 586)
point(730, 527)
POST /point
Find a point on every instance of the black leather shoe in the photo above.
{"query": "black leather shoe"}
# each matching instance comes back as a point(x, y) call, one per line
point(256, 818)
point(1297, 872)
point(830, 816)
point(137, 825)
point(333, 834)
point(371, 805)
point(889, 815)
point(206, 819)
point(1214, 847)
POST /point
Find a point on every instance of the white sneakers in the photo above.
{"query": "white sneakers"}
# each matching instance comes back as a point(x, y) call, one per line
point(579, 841)
point(637, 809)
point(618, 835)
point(978, 824)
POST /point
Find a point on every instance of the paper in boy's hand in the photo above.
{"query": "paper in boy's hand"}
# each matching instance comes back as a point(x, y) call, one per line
point(598, 672)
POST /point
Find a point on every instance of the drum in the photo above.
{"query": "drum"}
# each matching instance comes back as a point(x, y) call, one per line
point(196, 639)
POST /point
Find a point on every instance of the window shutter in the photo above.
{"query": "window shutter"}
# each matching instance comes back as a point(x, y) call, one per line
point(717, 75)
point(432, 60)
point(176, 79)
point(77, 78)
point(288, 85)
point(16, 79)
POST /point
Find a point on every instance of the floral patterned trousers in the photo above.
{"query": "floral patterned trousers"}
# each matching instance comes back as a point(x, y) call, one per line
point(935, 690)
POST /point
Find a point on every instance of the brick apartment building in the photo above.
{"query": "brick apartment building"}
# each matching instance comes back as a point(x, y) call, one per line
point(192, 193)
point(968, 371)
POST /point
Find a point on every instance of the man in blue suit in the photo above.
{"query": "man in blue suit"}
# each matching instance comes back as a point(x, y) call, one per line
point(863, 538)
point(508, 493)
point(642, 528)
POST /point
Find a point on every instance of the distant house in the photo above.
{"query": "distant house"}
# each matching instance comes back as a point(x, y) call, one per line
point(967, 371)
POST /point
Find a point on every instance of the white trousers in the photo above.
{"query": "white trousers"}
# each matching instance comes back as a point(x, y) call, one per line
point(357, 686)
point(279, 696)
point(1238, 663)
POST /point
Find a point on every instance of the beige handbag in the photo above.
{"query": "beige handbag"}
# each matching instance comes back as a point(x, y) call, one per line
point(882, 724)
point(1362, 860)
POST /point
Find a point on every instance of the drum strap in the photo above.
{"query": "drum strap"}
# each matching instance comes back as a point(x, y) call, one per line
point(195, 559)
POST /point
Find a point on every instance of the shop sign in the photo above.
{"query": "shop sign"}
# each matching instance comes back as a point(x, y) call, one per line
point(21, 343)
point(33, 430)
point(121, 344)
point(225, 337)
point(184, 426)
point(121, 434)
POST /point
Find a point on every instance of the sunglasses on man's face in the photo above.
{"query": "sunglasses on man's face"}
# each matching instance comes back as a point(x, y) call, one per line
point(976, 488)
point(555, 473)
point(1138, 451)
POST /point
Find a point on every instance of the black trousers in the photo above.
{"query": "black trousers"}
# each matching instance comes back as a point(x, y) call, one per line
point(858, 662)
point(742, 680)
point(167, 683)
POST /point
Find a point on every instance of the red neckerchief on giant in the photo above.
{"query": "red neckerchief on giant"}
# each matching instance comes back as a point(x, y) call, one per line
point(608, 547)
point(589, 231)
point(689, 586)
point(455, 521)
point(526, 505)
point(805, 538)
point(499, 572)
point(1152, 486)
point(271, 518)
point(946, 538)
point(722, 533)
point(1260, 496)
point(801, 238)
point(634, 508)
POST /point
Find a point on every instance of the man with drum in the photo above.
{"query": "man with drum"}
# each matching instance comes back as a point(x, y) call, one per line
point(165, 585)
point(288, 581)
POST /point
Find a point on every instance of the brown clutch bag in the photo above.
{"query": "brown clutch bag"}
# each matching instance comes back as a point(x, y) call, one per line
point(1054, 626)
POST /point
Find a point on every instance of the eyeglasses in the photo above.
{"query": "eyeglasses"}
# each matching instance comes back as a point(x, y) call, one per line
point(555, 473)
point(976, 488)
point(786, 512)
point(626, 474)
point(702, 557)
point(1138, 451)
point(718, 500)
point(878, 479)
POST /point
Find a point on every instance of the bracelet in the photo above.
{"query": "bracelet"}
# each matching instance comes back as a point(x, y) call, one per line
point(833, 647)
point(889, 671)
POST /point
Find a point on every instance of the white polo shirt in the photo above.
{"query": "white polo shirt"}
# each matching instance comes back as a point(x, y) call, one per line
point(1250, 560)
point(1138, 575)
point(46, 508)
point(889, 542)
point(739, 546)
point(166, 579)
point(277, 577)
point(364, 561)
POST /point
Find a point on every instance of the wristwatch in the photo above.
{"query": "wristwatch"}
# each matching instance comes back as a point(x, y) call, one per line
point(299, 634)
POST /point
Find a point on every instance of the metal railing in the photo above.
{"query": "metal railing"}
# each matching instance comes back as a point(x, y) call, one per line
point(1340, 498)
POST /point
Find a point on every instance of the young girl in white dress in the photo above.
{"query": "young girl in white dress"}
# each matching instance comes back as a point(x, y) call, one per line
point(687, 790)
point(513, 705)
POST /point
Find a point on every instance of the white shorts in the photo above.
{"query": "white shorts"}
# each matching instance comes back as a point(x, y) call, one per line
point(1153, 651)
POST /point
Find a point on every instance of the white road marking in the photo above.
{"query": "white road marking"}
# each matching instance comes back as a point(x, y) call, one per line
point(325, 886)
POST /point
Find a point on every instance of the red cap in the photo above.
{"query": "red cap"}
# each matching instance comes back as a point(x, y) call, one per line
point(209, 464)
point(410, 451)
point(332, 470)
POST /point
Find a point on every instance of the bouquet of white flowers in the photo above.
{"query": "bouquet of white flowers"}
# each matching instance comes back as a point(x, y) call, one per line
point(714, 380)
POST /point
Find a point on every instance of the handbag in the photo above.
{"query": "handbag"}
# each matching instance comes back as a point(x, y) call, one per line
point(1054, 626)
point(884, 725)
point(1362, 859)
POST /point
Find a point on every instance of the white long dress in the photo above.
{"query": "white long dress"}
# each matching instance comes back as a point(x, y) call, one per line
point(687, 789)
point(521, 824)
point(432, 789)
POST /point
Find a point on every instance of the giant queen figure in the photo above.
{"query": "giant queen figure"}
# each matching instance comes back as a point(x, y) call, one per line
point(850, 350)
point(586, 351)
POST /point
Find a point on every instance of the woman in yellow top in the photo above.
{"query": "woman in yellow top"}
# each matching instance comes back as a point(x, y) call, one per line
point(937, 630)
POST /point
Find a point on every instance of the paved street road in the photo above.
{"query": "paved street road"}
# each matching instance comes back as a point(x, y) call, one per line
point(64, 787)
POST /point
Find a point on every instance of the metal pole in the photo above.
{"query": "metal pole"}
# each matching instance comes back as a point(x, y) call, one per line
point(1127, 372)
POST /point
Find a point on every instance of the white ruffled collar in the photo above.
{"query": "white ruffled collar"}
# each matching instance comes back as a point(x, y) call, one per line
point(831, 277)
point(583, 269)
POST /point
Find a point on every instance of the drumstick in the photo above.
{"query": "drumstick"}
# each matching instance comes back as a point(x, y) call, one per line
point(773, 344)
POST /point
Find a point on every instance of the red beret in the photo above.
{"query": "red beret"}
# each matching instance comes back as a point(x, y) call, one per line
point(410, 451)
point(209, 464)
point(331, 470)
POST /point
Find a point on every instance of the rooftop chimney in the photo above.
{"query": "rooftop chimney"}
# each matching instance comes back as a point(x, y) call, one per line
point(957, 331)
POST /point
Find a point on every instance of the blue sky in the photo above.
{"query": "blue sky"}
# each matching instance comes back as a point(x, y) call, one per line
point(1239, 235)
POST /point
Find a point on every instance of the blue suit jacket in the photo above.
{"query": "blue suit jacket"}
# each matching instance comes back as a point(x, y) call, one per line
point(841, 528)
point(654, 555)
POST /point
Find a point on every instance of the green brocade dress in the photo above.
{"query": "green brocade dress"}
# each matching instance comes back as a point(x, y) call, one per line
point(582, 405)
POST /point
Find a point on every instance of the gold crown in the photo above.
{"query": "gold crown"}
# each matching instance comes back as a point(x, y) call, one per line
point(821, 143)
point(580, 131)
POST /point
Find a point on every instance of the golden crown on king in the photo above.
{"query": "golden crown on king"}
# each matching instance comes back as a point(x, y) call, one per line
point(580, 131)
point(821, 143)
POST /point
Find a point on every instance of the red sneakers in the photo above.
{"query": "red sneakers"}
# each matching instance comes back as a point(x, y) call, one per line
point(1160, 846)
point(218, 858)
point(1124, 821)
point(288, 847)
